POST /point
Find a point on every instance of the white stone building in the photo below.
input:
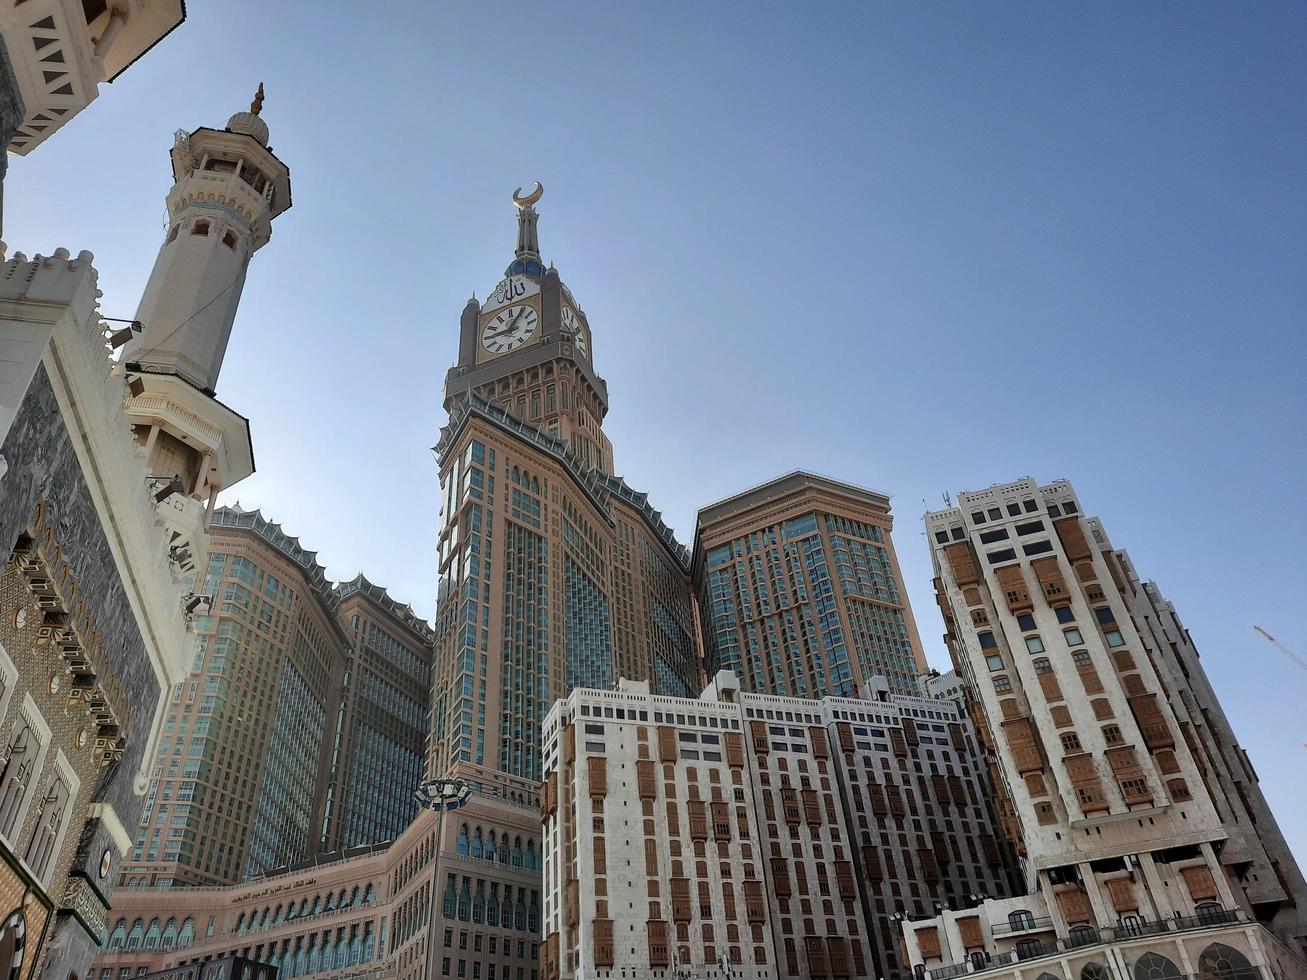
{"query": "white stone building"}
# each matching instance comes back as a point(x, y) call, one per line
point(744, 835)
point(1088, 703)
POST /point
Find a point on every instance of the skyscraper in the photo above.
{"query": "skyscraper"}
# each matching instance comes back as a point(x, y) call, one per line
point(554, 573)
point(380, 743)
point(800, 592)
point(1116, 783)
point(238, 787)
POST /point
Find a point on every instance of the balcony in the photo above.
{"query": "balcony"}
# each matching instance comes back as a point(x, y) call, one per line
point(1029, 923)
point(1082, 938)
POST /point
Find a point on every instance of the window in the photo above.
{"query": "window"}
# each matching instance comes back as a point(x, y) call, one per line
point(1014, 510)
point(1042, 666)
point(1037, 548)
point(995, 557)
point(1150, 966)
point(26, 753)
point(1114, 638)
point(1112, 734)
point(989, 537)
point(1081, 659)
point(229, 239)
point(172, 234)
point(977, 517)
point(1034, 644)
point(941, 537)
point(995, 662)
point(1064, 614)
point(1070, 742)
point(1219, 961)
point(1105, 615)
point(48, 832)
point(1026, 621)
point(1021, 919)
point(1073, 637)
point(995, 514)
point(200, 228)
point(1030, 527)
point(987, 641)
point(1002, 684)
point(1030, 506)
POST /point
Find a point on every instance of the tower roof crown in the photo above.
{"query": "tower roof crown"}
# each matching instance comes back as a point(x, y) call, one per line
point(526, 257)
point(251, 123)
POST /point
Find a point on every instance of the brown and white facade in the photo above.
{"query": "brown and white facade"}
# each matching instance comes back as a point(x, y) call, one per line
point(753, 836)
point(1102, 781)
point(367, 911)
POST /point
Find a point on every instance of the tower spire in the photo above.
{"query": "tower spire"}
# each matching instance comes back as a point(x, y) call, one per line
point(257, 105)
point(528, 243)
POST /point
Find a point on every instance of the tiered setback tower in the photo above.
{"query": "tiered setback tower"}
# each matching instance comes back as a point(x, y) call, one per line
point(745, 835)
point(553, 572)
point(799, 590)
point(302, 727)
point(1116, 783)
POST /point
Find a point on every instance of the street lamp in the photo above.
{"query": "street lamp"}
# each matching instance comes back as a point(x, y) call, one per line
point(441, 795)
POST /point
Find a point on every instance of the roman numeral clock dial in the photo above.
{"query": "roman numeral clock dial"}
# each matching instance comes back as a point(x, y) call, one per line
point(509, 329)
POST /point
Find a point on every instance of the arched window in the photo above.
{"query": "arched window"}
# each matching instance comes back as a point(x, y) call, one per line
point(1155, 966)
point(1021, 919)
point(170, 934)
point(1047, 976)
point(1211, 912)
point(354, 896)
point(240, 924)
point(200, 228)
point(463, 845)
point(368, 942)
point(119, 934)
point(1082, 935)
point(1222, 962)
point(187, 933)
point(478, 845)
point(490, 847)
point(517, 852)
point(1094, 971)
point(531, 854)
point(152, 935)
point(16, 777)
point(369, 894)
point(317, 904)
point(13, 938)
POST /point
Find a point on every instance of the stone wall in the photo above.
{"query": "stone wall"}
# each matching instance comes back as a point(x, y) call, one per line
point(44, 467)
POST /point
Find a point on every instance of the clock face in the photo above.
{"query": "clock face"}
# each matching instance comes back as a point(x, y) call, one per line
point(106, 862)
point(509, 329)
point(572, 324)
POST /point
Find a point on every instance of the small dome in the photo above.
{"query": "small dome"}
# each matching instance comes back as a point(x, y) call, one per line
point(251, 125)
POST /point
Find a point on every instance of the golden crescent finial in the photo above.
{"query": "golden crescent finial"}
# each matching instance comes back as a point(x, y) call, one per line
point(530, 199)
point(257, 105)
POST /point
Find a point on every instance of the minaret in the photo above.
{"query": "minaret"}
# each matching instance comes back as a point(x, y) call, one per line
point(229, 186)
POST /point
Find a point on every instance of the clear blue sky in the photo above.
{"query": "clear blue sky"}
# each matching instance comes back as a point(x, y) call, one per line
point(922, 247)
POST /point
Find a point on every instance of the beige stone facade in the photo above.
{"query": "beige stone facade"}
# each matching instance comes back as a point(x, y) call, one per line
point(367, 912)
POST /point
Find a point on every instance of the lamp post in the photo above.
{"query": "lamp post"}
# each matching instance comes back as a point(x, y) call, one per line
point(441, 795)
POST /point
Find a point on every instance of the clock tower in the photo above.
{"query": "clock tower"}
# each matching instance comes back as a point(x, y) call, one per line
point(528, 350)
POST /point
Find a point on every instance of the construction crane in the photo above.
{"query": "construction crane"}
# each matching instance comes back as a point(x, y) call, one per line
point(1283, 649)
